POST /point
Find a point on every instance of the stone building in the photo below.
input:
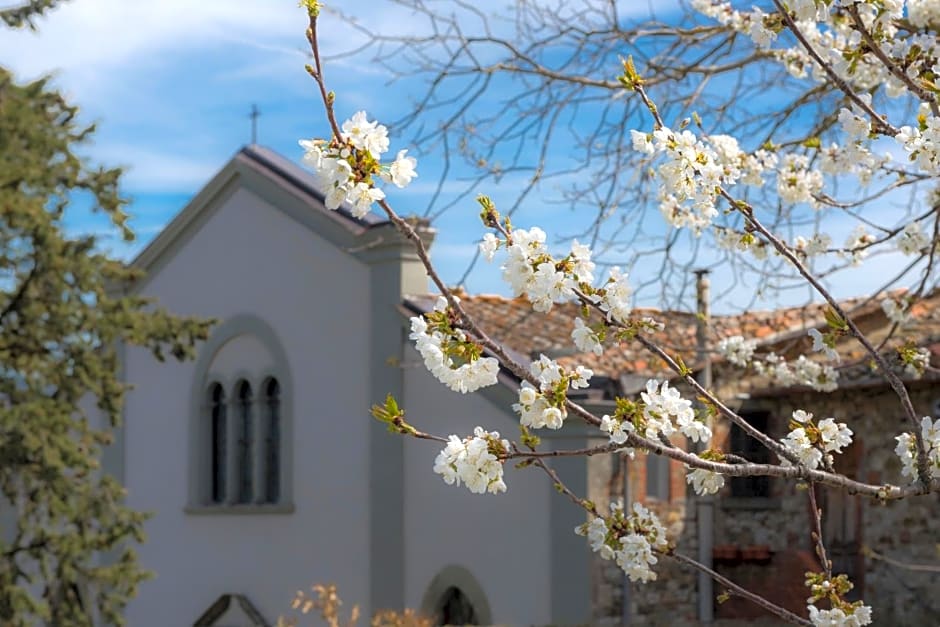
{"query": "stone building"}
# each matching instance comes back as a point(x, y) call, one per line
point(760, 527)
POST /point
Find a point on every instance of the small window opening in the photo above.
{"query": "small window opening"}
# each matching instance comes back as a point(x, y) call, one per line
point(272, 441)
point(219, 438)
point(455, 608)
point(744, 445)
point(244, 443)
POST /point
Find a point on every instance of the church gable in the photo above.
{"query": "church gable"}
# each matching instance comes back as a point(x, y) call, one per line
point(270, 187)
point(249, 436)
point(254, 242)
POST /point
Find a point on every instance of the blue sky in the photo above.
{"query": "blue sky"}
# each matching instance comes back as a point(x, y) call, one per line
point(170, 84)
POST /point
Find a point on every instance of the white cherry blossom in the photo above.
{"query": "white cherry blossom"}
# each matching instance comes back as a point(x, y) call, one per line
point(737, 350)
point(705, 481)
point(907, 452)
point(366, 135)
point(838, 618)
point(662, 404)
point(619, 430)
point(912, 239)
point(820, 346)
point(585, 338)
point(465, 378)
point(616, 299)
point(812, 442)
point(332, 163)
point(896, 310)
point(471, 461)
point(402, 171)
point(489, 246)
point(633, 550)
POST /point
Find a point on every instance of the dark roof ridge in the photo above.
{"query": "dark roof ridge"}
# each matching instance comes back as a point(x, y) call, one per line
point(303, 180)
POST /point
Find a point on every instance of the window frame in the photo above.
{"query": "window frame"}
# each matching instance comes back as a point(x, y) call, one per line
point(271, 443)
point(658, 477)
point(199, 500)
point(244, 441)
point(218, 442)
point(743, 488)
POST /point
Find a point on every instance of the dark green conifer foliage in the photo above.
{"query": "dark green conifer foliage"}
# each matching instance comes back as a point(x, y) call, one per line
point(25, 14)
point(66, 538)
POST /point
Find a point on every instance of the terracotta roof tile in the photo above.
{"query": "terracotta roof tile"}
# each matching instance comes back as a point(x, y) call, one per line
point(527, 333)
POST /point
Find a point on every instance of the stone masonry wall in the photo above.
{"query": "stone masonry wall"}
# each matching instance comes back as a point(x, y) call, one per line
point(765, 545)
point(905, 531)
point(671, 599)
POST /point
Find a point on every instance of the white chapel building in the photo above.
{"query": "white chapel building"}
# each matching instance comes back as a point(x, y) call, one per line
point(259, 460)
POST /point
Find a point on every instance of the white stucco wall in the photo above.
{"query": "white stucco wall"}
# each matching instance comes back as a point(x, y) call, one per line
point(250, 258)
point(503, 540)
point(238, 354)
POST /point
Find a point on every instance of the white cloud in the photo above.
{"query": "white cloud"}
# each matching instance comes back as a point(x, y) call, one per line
point(168, 79)
point(156, 171)
point(89, 36)
point(150, 60)
point(93, 35)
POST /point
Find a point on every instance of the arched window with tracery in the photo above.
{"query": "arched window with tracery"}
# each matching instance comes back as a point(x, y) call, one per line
point(218, 438)
point(272, 440)
point(241, 422)
point(244, 440)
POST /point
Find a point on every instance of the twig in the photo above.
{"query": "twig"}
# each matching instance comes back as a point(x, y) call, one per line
point(923, 463)
point(730, 585)
point(737, 590)
point(318, 76)
point(889, 63)
point(817, 533)
point(748, 428)
point(876, 120)
point(867, 551)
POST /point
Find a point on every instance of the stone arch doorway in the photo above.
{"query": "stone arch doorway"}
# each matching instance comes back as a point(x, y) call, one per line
point(454, 597)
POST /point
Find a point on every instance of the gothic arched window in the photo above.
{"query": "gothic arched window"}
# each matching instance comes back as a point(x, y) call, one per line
point(241, 422)
point(455, 608)
point(218, 437)
point(244, 441)
point(272, 440)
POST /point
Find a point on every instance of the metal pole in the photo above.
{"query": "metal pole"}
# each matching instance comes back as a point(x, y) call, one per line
point(254, 123)
point(704, 505)
point(627, 503)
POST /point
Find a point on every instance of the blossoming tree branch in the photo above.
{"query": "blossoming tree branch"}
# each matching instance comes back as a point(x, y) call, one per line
point(860, 48)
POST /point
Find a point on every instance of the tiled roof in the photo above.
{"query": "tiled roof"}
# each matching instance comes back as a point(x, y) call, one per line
point(922, 330)
point(527, 333)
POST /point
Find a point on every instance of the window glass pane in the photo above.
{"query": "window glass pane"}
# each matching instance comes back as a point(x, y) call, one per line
point(272, 458)
point(744, 445)
point(244, 443)
point(657, 477)
point(218, 439)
